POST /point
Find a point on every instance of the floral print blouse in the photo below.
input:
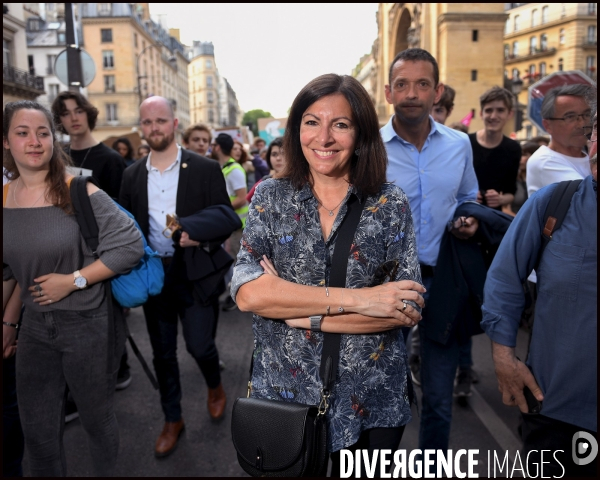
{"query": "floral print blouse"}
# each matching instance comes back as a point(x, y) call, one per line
point(371, 384)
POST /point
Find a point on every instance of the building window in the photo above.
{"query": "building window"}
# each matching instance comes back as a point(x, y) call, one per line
point(62, 38)
point(592, 8)
point(532, 45)
point(109, 84)
point(106, 35)
point(475, 35)
point(105, 9)
point(542, 69)
point(111, 112)
point(506, 51)
point(108, 59)
point(563, 10)
point(209, 81)
point(534, 17)
point(590, 67)
point(50, 59)
point(516, 24)
point(208, 64)
point(515, 49)
point(560, 65)
point(561, 36)
point(30, 65)
point(473, 75)
point(210, 97)
point(529, 132)
point(211, 116)
point(506, 26)
point(591, 34)
point(543, 42)
point(545, 15)
point(515, 73)
point(135, 44)
point(6, 52)
point(532, 70)
point(53, 90)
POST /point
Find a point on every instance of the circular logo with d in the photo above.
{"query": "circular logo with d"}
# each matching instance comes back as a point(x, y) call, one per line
point(585, 448)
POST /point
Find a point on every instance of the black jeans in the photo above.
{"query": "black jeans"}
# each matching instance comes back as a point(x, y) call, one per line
point(59, 348)
point(13, 444)
point(544, 433)
point(176, 300)
point(372, 439)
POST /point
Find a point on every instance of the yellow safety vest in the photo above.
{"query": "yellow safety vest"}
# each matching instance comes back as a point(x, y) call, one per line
point(229, 167)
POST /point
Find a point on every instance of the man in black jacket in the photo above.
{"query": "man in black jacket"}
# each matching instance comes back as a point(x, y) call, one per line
point(174, 180)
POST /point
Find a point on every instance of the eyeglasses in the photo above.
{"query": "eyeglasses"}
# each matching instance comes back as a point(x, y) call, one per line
point(572, 117)
point(588, 130)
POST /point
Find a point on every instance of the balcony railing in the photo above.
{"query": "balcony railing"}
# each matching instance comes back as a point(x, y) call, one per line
point(532, 53)
point(589, 41)
point(22, 78)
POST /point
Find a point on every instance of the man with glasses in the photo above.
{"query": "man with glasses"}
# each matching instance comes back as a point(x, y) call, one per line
point(565, 112)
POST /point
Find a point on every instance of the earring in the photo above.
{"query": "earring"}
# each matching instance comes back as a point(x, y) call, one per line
point(357, 152)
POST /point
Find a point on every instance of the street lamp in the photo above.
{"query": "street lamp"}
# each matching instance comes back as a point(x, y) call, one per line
point(172, 60)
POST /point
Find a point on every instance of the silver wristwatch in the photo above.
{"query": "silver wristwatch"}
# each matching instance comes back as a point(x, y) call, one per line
point(315, 322)
point(79, 280)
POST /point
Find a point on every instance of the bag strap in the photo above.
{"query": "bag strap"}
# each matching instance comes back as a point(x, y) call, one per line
point(4, 195)
point(555, 212)
point(339, 266)
point(89, 230)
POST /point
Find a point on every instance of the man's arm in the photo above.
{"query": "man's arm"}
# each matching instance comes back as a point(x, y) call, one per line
point(504, 298)
point(468, 187)
point(218, 188)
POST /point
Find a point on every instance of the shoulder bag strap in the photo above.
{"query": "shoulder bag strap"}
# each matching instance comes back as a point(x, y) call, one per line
point(339, 265)
point(4, 194)
point(555, 212)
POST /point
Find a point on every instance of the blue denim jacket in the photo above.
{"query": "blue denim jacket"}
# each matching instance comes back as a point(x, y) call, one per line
point(563, 352)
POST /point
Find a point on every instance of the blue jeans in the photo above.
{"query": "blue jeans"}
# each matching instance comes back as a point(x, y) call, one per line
point(60, 348)
point(438, 369)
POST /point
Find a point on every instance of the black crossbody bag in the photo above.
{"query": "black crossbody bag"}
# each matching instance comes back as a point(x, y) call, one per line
point(283, 439)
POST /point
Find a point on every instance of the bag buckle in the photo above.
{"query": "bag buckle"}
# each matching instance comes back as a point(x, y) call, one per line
point(172, 225)
point(324, 403)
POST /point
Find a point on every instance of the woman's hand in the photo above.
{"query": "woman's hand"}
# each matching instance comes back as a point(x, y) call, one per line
point(9, 341)
point(52, 288)
point(389, 300)
point(268, 266)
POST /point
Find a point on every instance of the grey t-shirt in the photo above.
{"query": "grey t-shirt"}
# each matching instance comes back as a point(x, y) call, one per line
point(42, 240)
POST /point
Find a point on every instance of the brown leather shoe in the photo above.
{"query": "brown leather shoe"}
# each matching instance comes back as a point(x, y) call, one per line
point(216, 401)
point(167, 440)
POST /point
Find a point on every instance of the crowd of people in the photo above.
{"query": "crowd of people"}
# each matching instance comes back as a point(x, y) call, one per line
point(448, 245)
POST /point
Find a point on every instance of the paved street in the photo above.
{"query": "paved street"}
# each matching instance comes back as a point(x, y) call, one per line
point(205, 448)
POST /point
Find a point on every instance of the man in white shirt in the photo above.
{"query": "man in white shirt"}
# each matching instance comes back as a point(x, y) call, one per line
point(564, 114)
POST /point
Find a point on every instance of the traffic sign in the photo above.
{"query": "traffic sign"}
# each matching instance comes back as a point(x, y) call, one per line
point(87, 65)
point(537, 91)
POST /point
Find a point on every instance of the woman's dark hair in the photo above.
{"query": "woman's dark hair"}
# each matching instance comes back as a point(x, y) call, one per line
point(145, 147)
point(368, 168)
point(58, 190)
point(58, 108)
point(125, 141)
point(244, 158)
point(530, 147)
point(278, 142)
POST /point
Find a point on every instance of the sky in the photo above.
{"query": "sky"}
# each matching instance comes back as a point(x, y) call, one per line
point(268, 52)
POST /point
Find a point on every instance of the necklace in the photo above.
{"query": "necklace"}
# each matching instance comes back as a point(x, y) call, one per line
point(15, 196)
point(84, 158)
point(333, 209)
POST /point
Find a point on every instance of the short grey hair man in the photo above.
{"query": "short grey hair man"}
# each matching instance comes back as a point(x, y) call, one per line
point(578, 90)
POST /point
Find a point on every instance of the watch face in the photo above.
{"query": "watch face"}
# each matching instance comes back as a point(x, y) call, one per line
point(80, 282)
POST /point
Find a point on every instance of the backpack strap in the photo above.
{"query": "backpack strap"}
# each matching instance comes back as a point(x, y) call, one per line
point(4, 195)
point(89, 230)
point(555, 212)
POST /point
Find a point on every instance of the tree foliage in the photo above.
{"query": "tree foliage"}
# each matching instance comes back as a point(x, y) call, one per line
point(251, 119)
